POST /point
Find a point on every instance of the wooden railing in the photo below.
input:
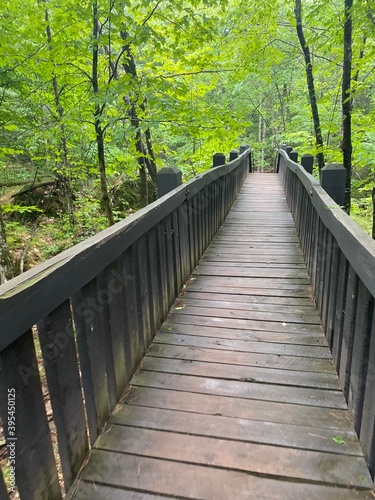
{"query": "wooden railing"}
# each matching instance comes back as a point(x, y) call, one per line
point(340, 258)
point(75, 328)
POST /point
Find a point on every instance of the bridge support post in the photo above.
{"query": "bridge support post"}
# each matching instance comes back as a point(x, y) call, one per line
point(307, 161)
point(333, 179)
point(283, 147)
point(288, 150)
point(233, 155)
point(293, 155)
point(168, 178)
point(218, 159)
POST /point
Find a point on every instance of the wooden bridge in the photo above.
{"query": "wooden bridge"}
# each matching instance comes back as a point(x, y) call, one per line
point(243, 391)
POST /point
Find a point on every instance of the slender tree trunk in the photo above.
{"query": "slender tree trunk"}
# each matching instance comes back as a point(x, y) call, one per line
point(373, 213)
point(63, 176)
point(147, 161)
point(347, 102)
point(310, 85)
point(105, 200)
point(6, 268)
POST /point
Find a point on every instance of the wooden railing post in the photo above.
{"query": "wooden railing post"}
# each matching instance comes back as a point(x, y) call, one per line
point(233, 155)
point(168, 178)
point(283, 146)
point(307, 161)
point(288, 150)
point(333, 178)
point(293, 155)
point(218, 159)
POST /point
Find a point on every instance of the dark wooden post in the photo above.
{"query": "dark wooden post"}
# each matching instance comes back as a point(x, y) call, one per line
point(233, 155)
point(168, 178)
point(283, 147)
point(333, 178)
point(218, 159)
point(293, 155)
point(307, 161)
point(251, 160)
point(243, 148)
point(288, 150)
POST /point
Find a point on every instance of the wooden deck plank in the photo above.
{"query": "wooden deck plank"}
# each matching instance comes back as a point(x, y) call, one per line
point(215, 302)
point(336, 469)
point(247, 335)
point(227, 371)
point(245, 389)
point(237, 397)
point(208, 404)
point(249, 300)
point(294, 363)
point(184, 480)
point(238, 429)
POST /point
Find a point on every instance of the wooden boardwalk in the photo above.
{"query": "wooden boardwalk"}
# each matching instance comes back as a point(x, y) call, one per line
point(237, 398)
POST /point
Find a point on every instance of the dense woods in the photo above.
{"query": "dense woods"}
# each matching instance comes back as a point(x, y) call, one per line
point(96, 96)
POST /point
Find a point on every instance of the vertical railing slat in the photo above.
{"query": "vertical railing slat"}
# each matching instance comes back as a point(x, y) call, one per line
point(121, 363)
point(348, 330)
point(36, 473)
point(367, 428)
point(360, 355)
point(56, 337)
point(86, 316)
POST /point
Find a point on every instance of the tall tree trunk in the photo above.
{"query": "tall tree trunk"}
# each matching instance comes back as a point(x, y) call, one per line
point(347, 102)
point(373, 213)
point(147, 160)
point(63, 176)
point(6, 268)
point(310, 85)
point(105, 199)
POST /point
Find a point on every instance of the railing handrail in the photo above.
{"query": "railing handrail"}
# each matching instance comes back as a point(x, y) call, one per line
point(357, 246)
point(42, 288)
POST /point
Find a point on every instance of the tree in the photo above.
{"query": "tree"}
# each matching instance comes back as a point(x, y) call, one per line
point(310, 85)
point(347, 101)
point(6, 271)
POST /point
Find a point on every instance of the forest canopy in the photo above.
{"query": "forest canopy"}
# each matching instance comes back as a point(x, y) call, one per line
point(96, 96)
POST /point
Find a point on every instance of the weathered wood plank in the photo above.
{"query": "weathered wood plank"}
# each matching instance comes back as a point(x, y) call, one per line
point(232, 333)
point(251, 314)
point(97, 491)
point(240, 456)
point(194, 481)
point(246, 324)
point(35, 468)
point(92, 358)
point(210, 404)
point(56, 336)
point(213, 302)
point(298, 291)
point(244, 358)
point(249, 272)
point(238, 429)
point(249, 300)
point(247, 390)
point(208, 368)
point(244, 346)
point(282, 284)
